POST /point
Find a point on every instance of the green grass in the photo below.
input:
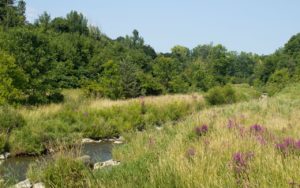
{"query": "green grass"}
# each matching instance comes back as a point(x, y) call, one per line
point(79, 117)
point(150, 158)
point(162, 158)
point(159, 158)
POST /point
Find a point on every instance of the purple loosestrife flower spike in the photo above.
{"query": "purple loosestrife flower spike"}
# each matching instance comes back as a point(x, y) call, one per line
point(256, 128)
point(200, 131)
point(191, 152)
point(230, 124)
point(289, 142)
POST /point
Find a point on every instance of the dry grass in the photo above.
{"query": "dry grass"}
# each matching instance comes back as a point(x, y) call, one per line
point(213, 164)
point(156, 100)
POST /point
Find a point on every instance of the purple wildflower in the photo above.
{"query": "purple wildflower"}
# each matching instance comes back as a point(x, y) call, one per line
point(240, 166)
point(289, 142)
point(201, 130)
point(281, 146)
point(230, 124)
point(288, 145)
point(191, 152)
point(256, 128)
point(240, 161)
point(261, 140)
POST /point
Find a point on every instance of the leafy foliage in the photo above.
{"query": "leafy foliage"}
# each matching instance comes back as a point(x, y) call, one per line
point(40, 59)
point(221, 95)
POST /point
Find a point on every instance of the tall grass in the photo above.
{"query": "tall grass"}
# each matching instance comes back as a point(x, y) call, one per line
point(80, 117)
point(238, 150)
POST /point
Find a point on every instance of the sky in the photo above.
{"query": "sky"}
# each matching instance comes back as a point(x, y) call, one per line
point(258, 26)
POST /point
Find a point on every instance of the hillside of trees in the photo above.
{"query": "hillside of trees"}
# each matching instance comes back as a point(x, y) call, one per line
point(38, 60)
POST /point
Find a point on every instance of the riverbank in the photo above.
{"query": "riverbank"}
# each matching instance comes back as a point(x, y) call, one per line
point(232, 145)
point(47, 127)
point(14, 169)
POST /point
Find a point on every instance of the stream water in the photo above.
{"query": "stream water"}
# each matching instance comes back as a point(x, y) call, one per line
point(15, 169)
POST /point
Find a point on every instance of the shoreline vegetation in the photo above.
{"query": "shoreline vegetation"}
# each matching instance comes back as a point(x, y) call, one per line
point(80, 120)
point(37, 130)
point(232, 144)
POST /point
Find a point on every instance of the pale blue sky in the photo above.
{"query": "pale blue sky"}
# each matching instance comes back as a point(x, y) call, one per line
point(259, 26)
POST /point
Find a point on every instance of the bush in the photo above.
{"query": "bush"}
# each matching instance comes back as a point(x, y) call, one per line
point(277, 81)
point(56, 97)
point(245, 92)
point(10, 119)
point(221, 95)
point(24, 141)
point(66, 172)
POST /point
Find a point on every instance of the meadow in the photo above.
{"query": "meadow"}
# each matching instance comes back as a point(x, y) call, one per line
point(247, 144)
point(251, 143)
point(45, 127)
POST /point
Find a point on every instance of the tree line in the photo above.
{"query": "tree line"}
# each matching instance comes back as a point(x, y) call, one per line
point(38, 60)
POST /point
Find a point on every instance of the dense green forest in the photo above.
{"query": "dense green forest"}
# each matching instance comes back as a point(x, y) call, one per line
point(38, 60)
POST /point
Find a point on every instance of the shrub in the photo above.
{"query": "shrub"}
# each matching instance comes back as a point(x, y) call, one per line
point(24, 141)
point(10, 119)
point(221, 95)
point(93, 89)
point(277, 81)
point(245, 92)
point(56, 97)
point(66, 172)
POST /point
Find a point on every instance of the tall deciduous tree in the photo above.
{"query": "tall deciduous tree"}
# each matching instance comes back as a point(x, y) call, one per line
point(77, 22)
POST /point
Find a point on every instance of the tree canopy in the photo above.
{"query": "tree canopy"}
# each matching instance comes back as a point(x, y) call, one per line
point(38, 60)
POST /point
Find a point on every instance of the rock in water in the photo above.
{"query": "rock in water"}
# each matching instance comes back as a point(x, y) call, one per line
point(4, 156)
point(23, 184)
point(106, 164)
point(88, 140)
point(118, 142)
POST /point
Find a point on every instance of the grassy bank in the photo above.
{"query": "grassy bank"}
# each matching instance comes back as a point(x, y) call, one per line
point(33, 130)
point(240, 149)
point(79, 117)
point(249, 144)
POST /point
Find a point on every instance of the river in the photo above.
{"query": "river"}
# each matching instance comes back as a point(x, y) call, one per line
point(15, 168)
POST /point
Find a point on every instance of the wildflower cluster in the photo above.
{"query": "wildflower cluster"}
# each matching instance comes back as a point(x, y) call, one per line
point(190, 153)
point(240, 164)
point(257, 129)
point(288, 146)
point(201, 130)
point(259, 132)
